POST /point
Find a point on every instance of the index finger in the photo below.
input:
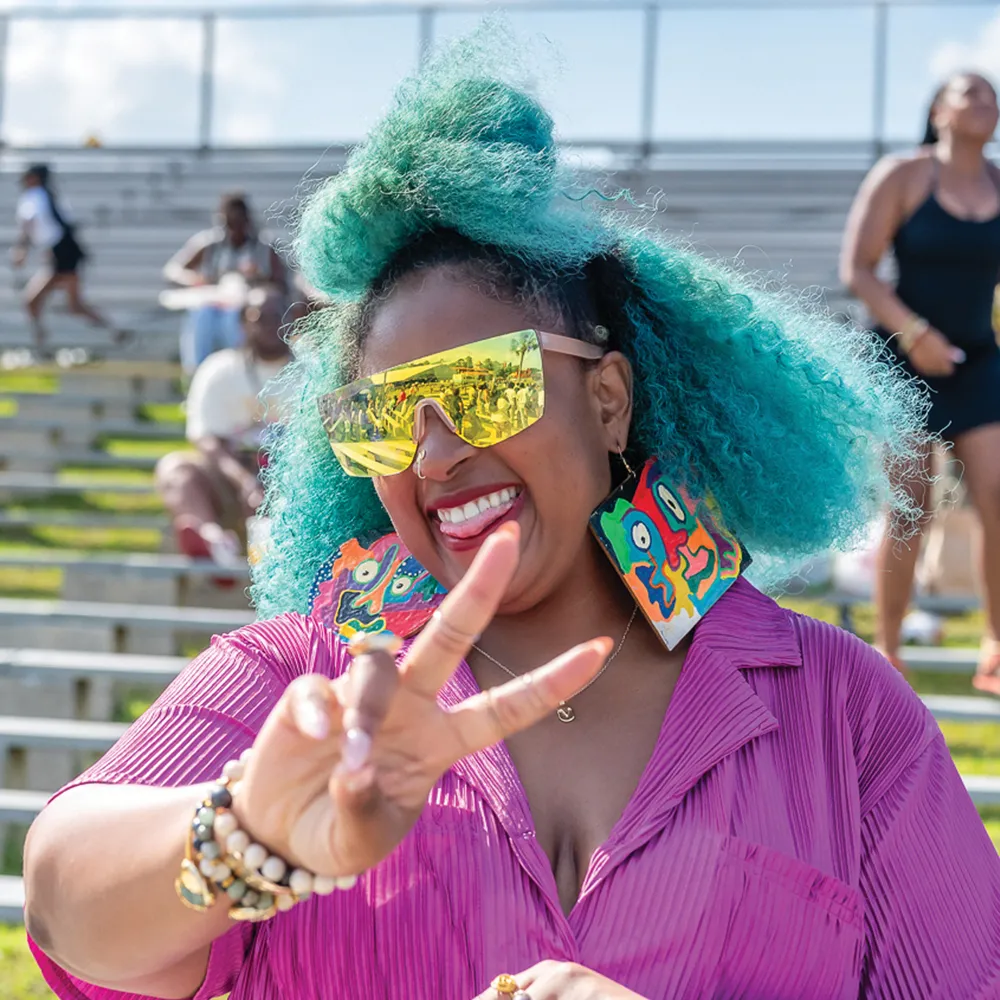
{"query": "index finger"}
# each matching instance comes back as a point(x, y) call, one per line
point(463, 614)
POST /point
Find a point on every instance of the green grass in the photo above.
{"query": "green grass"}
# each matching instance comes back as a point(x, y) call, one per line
point(30, 380)
point(17, 581)
point(143, 447)
point(162, 413)
point(19, 976)
point(87, 474)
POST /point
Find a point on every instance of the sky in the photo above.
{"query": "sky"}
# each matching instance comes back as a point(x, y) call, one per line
point(736, 73)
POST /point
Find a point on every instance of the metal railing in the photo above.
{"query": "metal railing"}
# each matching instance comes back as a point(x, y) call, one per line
point(426, 17)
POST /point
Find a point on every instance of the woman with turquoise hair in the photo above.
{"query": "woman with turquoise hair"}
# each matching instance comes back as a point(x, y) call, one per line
point(540, 793)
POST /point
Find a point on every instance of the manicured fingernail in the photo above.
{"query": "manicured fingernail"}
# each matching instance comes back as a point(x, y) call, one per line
point(311, 720)
point(357, 747)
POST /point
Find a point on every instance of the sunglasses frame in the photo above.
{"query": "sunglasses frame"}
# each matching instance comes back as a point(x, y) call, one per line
point(555, 343)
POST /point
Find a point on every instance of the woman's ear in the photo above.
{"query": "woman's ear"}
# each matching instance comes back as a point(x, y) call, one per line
point(612, 387)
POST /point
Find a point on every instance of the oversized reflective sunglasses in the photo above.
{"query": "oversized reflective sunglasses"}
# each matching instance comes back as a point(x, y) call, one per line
point(486, 392)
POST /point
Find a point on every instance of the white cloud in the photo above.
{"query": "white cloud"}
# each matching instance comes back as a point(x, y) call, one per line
point(981, 55)
point(126, 81)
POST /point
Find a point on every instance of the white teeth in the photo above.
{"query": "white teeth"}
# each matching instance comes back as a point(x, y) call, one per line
point(456, 515)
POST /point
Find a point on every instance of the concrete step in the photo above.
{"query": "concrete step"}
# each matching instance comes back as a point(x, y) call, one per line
point(141, 563)
point(55, 664)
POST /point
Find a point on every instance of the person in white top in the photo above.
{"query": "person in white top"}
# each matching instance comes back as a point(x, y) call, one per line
point(232, 247)
point(211, 490)
point(47, 224)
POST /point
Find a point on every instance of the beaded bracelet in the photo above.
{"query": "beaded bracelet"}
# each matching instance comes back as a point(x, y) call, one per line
point(220, 858)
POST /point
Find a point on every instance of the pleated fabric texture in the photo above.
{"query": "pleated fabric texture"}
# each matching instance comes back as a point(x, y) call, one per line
point(800, 831)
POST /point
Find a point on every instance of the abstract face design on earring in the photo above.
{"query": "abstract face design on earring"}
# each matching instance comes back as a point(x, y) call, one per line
point(420, 456)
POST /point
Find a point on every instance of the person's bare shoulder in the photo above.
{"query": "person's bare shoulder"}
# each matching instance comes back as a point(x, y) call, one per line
point(909, 176)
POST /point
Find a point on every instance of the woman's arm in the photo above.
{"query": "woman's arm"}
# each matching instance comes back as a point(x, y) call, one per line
point(182, 268)
point(101, 858)
point(931, 881)
point(99, 866)
point(877, 213)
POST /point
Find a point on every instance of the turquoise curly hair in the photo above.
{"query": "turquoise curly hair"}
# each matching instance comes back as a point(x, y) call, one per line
point(790, 420)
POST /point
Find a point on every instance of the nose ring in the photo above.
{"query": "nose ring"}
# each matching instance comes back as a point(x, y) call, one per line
point(421, 455)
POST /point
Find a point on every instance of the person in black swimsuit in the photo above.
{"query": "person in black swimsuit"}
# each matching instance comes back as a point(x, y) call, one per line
point(939, 210)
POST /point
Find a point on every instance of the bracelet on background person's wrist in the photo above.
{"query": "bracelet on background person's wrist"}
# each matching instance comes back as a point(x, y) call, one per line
point(910, 332)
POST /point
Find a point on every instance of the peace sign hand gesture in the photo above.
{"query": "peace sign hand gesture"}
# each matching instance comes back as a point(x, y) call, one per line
point(339, 813)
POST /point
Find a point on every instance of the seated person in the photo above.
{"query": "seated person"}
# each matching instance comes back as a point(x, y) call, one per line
point(232, 247)
point(212, 490)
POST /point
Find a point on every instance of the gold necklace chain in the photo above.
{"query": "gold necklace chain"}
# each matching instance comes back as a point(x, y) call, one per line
point(565, 713)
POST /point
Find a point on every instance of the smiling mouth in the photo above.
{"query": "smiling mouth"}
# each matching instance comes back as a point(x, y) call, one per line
point(473, 518)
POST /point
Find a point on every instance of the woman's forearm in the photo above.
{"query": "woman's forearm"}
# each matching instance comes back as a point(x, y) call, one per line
point(880, 298)
point(99, 866)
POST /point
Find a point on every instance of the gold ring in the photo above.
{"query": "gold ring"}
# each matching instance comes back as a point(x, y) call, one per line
point(505, 985)
point(374, 642)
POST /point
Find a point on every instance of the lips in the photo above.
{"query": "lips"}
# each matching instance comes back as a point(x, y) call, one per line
point(464, 519)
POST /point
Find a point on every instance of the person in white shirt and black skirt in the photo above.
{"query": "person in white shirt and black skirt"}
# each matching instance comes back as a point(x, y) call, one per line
point(45, 223)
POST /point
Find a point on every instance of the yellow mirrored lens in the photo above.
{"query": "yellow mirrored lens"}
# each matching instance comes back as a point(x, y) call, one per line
point(490, 390)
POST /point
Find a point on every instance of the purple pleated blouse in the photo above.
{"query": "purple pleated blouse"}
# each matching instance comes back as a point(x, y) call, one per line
point(799, 833)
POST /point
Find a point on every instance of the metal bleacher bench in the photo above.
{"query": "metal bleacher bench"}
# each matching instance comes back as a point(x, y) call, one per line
point(61, 734)
point(84, 457)
point(96, 426)
point(44, 482)
point(11, 899)
point(52, 663)
point(147, 563)
point(121, 616)
point(81, 519)
point(935, 603)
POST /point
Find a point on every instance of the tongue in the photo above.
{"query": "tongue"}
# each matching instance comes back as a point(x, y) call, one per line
point(475, 524)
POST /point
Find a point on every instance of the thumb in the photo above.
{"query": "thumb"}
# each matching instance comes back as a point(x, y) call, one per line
point(956, 354)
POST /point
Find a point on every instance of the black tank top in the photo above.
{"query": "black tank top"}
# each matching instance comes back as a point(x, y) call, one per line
point(948, 269)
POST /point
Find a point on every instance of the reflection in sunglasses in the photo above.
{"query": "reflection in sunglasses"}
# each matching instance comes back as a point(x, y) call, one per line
point(487, 397)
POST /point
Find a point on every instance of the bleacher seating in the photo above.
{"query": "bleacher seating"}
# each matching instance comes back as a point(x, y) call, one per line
point(127, 619)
